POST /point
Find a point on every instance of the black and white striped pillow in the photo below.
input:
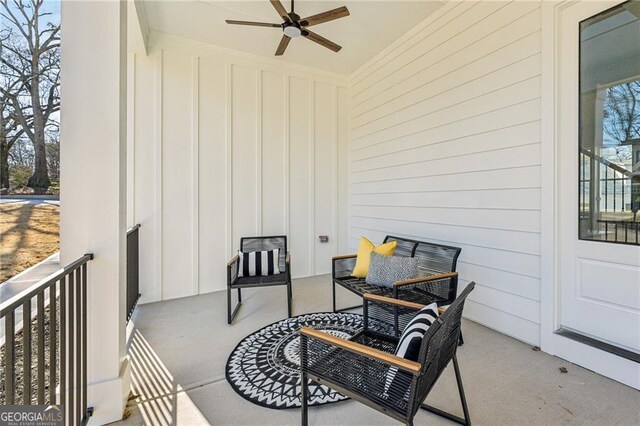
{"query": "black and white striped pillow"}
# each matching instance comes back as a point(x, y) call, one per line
point(410, 342)
point(258, 263)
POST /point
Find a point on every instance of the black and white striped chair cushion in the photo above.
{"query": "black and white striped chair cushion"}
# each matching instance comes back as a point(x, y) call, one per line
point(411, 340)
point(258, 263)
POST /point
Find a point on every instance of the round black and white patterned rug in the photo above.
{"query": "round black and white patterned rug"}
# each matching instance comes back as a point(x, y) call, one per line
point(265, 366)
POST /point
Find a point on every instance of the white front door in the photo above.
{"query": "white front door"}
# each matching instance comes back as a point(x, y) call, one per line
point(599, 172)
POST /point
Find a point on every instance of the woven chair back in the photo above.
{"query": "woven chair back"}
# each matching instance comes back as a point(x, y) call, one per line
point(248, 244)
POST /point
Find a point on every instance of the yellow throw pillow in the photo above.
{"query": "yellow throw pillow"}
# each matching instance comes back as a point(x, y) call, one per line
point(365, 247)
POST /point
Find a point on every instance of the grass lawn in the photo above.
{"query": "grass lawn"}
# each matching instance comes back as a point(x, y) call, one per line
point(28, 234)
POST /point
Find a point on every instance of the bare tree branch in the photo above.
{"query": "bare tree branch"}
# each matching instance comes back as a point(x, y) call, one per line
point(30, 60)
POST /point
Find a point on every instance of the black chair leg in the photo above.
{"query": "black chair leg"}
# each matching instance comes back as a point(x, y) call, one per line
point(460, 340)
point(467, 420)
point(289, 293)
point(232, 314)
point(333, 283)
point(444, 414)
point(239, 296)
point(228, 305)
point(463, 399)
point(303, 396)
point(335, 309)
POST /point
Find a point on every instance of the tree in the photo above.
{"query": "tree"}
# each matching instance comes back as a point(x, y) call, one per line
point(53, 151)
point(10, 133)
point(31, 55)
point(621, 119)
point(621, 122)
point(21, 154)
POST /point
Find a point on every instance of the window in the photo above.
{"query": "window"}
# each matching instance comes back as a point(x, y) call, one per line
point(609, 154)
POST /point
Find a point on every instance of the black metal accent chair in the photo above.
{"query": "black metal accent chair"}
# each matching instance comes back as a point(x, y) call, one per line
point(248, 244)
point(437, 282)
point(365, 369)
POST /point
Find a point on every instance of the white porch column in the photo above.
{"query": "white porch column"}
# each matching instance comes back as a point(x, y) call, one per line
point(93, 185)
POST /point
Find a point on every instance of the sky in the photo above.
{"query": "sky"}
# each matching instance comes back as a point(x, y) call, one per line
point(49, 6)
point(53, 7)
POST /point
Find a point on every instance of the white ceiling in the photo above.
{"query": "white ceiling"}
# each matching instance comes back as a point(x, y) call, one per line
point(372, 26)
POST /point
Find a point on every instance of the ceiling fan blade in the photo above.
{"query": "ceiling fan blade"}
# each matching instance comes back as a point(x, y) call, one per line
point(280, 9)
point(321, 40)
point(330, 15)
point(284, 42)
point(254, 24)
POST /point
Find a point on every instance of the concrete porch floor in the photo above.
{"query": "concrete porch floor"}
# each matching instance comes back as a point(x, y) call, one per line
point(179, 348)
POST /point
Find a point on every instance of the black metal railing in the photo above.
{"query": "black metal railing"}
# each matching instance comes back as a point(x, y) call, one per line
point(133, 270)
point(609, 200)
point(621, 231)
point(44, 354)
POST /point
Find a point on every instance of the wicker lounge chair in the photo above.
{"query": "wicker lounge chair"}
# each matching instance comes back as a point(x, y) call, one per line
point(365, 369)
point(248, 244)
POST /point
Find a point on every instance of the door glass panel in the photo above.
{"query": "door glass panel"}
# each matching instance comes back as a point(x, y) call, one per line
point(609, 155)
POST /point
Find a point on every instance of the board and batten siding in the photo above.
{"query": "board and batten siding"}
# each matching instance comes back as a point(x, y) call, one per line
point(445, 146)
point(226, 145)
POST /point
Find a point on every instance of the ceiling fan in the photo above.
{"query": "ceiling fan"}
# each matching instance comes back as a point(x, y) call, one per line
point(294, 26)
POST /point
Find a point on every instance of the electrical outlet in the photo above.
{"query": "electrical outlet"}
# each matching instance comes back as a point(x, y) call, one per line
point(323, 238)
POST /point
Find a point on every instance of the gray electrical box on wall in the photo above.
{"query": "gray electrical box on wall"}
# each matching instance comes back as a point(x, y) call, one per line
point(323, 238)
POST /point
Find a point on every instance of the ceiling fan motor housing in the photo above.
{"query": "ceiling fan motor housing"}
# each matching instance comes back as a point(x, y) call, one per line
point(292, 29)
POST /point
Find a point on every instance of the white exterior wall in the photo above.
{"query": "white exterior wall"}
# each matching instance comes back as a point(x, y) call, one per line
point(445, 146)
point(226, 145)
